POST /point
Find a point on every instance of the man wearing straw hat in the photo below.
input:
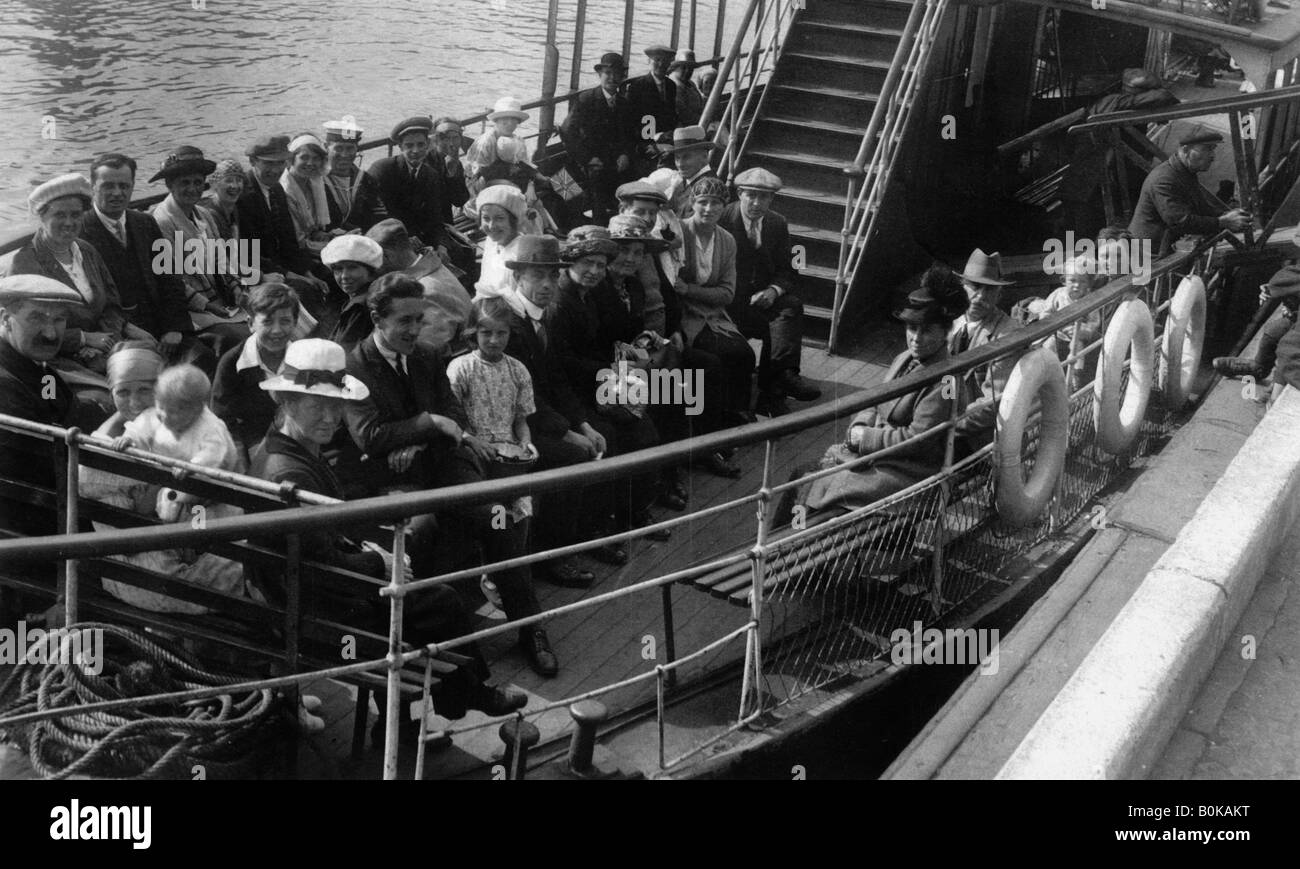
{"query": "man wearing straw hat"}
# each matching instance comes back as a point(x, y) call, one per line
point(596, 136)
point(652, 106)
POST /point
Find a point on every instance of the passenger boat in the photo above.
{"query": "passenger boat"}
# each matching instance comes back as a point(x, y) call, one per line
point(906, 131)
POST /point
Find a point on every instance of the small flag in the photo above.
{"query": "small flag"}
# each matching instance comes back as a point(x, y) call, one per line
point(565, 185)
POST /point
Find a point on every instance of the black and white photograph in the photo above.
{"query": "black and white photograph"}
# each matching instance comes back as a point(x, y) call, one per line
point(600, 390)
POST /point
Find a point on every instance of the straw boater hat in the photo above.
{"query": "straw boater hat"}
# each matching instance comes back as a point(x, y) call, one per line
point(185, 160)
point(589, 241)
point(316, 367)
point(307, 140)
point(611, 59)
point(758, 179)
point(36, 288)
point(507, 107)
point(541, 251)
point(353, 248)
point(72, 184)
point(690, 139)
point(985, 268)
point(417, 124)
point(345, 130)
point(630, 229)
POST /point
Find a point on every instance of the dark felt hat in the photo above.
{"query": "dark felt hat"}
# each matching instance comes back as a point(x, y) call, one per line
point(185, 160)
point(269, 148)
point(611, 59)
point(389, 233)
point(536, 250)
point(985, 268)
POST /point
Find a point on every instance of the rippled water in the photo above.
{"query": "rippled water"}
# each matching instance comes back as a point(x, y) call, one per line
point(142, 76)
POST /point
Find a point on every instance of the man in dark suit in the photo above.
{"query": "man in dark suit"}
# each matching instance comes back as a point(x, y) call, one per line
point(652, 107)
point(453, 192)
point(1172, 203)
point(412, 428)
point(264, 215)
point(125, 238)
point(596, 135)
point(766, 306)
point(411, 188)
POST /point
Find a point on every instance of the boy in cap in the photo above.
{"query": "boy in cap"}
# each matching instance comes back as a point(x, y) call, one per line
point(411, 190)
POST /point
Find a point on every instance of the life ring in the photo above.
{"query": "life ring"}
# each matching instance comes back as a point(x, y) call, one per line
point(1036, 380)
point(1117, 418)
point(1184, 338)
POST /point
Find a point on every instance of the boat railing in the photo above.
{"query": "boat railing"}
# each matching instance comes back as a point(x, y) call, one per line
point(814, 602)
point(869, 175)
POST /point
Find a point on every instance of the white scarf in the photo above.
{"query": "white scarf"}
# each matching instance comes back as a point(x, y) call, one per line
point(309, 214)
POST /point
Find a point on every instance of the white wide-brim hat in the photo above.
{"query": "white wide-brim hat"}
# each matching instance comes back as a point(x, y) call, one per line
point(508, 107)
point(315, 366)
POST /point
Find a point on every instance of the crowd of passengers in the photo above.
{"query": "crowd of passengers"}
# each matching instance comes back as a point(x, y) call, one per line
point(368, 351)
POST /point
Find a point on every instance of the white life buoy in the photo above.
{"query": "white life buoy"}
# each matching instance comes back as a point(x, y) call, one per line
point(1118, 416)
point(1036, 381)
point(1184, 338)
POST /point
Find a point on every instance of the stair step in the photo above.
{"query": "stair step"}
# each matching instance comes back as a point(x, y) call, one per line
point(889, 12)
point(812, 195)
point(848, 27)
point(817, 312)
point(831, 168)
point(817, 124)
point(829, 91)
point(831, 57)
point(819, 272)
point(798, 230)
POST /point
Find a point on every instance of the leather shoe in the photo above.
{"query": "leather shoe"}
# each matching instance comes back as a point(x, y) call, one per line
point(537, 646)
point(1238, 366)
point(641, 520)
point(796, 387)
point(611, 553)
point(491, 700)
point(568, 573)
point(718, 464)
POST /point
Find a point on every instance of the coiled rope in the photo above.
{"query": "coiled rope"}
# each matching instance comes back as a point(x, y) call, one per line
point(214, 737)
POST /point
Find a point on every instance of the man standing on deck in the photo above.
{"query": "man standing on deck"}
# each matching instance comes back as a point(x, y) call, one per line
point(125, 239)
point(983, 323)
point(652, 107)
point(1172, 203)
point(765, 306)
point(595, 134)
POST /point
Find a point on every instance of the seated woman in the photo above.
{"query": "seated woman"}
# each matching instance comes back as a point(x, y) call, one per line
point(213, 297)
point(500, 209)
point(303, 181)
point(310, 393)
point(248, 411)
point(929, 314)
point(225, 186)
point(355, 261)
point(352, 195)
point(133, 370)
point(705, 286)
point(55, 251)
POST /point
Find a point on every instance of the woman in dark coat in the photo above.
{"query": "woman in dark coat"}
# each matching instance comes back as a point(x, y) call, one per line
point(310, 392)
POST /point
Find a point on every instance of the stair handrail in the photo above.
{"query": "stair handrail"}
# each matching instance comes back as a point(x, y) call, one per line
point(737, 44)
point(884, 132)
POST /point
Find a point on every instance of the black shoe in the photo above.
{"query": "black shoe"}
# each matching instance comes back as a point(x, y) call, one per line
point(610, 553)
point(717, 463)
point(568, 573)
point(796, 387)
point(537, 648)
point(1238, 366)
point(772, 405)
point(492, 700)
point(641, 520)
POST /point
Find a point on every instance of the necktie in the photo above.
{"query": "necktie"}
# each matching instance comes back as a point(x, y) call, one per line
point(755, 235)
point(119, 232)
point(540, 328)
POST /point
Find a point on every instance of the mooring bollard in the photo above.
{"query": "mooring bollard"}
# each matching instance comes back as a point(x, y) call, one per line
point(518, 735)
point(587, 716)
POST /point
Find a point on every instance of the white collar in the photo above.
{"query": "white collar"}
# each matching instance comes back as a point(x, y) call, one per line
point(390, 355)
point(110, 223)
point(251, 357)
point(534, 313)
point(750, 224)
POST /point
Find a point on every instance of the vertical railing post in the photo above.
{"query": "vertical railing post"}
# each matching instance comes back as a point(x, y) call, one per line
point(659, 710)
point(690, 42)
point(841, 276)
point(677, 24)
point(717, 31)
point(949, 451)
point(71, 490)
point(751, 684)
point(628, 10)
point(393, 704)
point(579, 29)
point(670, 632)
point(426, 706)
point(550, 74)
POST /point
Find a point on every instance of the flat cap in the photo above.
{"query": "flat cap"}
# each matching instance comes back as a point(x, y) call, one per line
point(1140, 79)
point(37, 288)
point(1201, 137)
point(390, 232)
point(269, 148)
point(417, 124)
point(641, 190)
point(659, 48)
point(1286, 282)
point(758, 179)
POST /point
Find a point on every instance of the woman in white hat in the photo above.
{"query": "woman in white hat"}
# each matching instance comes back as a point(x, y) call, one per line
point(303, 181)
point(506, 116)
point(55, 251)
point(311, 393)
point(501, 211)
point(355, 261)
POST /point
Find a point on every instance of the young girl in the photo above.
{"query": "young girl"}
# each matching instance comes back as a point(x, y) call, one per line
point(506, 117)
point(180, 426)
point(1076, 283)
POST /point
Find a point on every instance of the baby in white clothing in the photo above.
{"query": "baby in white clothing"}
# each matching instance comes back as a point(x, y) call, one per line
point(180, 426)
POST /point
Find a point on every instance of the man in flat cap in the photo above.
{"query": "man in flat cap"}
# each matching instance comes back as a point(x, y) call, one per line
point(652, 107)
point(410, 188)
point(1173, 204)
point(766, 305)
point(596, 136)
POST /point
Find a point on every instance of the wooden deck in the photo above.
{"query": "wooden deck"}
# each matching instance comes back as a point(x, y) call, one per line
point(612, 642)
